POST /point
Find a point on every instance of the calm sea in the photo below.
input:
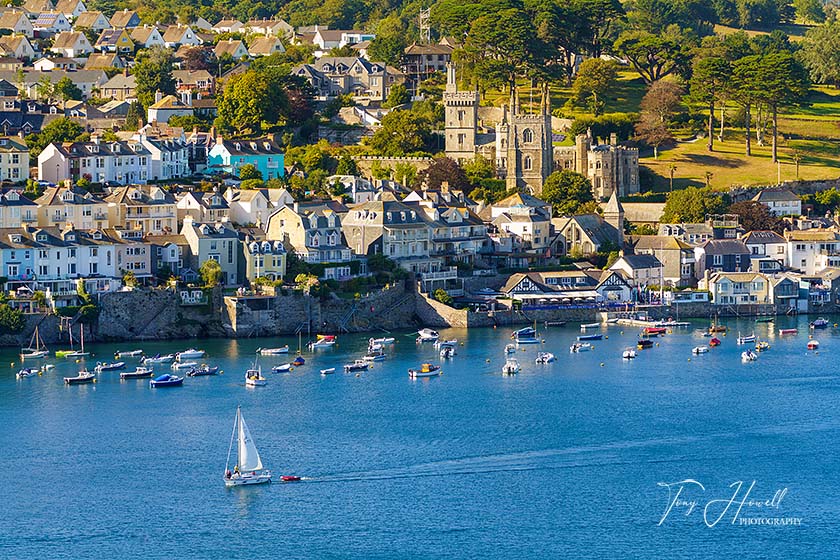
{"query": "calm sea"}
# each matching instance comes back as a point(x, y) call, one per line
point(565, 460)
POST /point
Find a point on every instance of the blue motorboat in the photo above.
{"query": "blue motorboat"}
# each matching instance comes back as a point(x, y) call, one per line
point(166, 380)
point(590, 337)
point(299, 361)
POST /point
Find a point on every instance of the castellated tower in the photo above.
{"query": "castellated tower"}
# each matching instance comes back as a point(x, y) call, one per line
point(460, 119)
point(524, 149)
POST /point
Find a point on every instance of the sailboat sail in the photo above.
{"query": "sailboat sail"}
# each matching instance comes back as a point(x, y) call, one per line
point(249, 457)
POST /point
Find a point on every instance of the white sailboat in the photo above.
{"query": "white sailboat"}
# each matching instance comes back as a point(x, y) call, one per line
point(74, 353)
point(248, 468)
point(37, 351)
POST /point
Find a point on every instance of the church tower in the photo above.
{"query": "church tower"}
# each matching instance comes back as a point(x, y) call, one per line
point(614, 215)
point(460, 119)
point(524, 145)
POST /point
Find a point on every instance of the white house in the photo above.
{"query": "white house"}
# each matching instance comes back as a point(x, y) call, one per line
point(780, 202)
point(72, 44)
point(14, 159)
point(17, 22)
point(641, 270)
point(248, 206)
point(812, 250)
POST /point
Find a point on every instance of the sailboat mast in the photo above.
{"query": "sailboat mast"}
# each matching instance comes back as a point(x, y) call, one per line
point(232, 435)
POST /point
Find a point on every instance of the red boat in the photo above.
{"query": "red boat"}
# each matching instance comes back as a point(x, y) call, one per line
point(655, 330)
point(787, 331)
point(288, 478)
point(715, 341)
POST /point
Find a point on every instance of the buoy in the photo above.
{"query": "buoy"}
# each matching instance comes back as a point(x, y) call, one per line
point(602, 364)
point(689, 359)
point(657, 344)
point(358, 375)
point(621, 332)
point(607, 336)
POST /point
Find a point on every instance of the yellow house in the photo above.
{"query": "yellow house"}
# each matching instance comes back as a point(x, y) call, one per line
point(63, 206)
point(263, 258)
point(731, 288)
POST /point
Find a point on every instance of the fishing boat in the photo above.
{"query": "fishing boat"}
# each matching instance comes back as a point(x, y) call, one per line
point(328, 371)
point(700, 350)
point(425, 370)
point(184, 365)
point(585, 326)
point(762, 345)
point(203, 370)
point(26, 372)
point(138, 373)
point(580, 347)
point(511, 367)
point(282, 368)
point(447, 352)
point(254, 376)
point(746, 339)
point(358, 365)
point(385, 340)
point(526, 332)
point(819, 323)
point(248, 468)
point(158, 359)
point(715, 341)
point(644, 343)
point(273, 351)
point(375, 347)
point(510, 349)
point(628, 354)
point(590, 337)
point(190, 354)
point(121, 354)
point(166, 380)
point(108, 366)
point(748, 356)
point(545, 358)
point(39, 350)
point(322, 341)
point(655, 331)
point(74, 353)
point(788, 331)
point(813, 344)
point(427, 335)
point(84, 376)
point(374, 356)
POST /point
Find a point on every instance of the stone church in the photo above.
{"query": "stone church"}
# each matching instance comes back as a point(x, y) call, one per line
point(521, 145)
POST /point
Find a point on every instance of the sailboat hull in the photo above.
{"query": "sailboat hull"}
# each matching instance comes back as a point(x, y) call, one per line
point(248, 479)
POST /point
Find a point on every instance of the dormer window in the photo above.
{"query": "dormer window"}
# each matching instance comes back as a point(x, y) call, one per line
point(136, 195)
point(67, 196)
point(42, 237)
point(16, 238)
point(13, 196)
point(238, 147)
point(70, 237)
point(93, 148)
point(97, 235)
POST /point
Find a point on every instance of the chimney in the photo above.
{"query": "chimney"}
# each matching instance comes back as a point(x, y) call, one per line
point(94, 138)
point(613, 139)
point(158, 96)
point(125, 71)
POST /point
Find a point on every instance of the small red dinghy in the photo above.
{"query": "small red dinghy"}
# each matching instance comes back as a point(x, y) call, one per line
point(289, 478)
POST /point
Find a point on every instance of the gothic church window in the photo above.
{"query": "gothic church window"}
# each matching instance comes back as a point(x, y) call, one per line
point(527, 164)
point(527, 135)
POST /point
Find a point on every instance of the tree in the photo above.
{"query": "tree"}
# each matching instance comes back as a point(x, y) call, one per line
point(479, 168)
point(567, 192)
point(129, 279)
point(405, 173)
point(390, 41)
point(709, 79)
point(662, 100)
point(152, 73)
point(249, 101)
point(60, 130)
point(249, 171)
point(66, 90)
point(347, 166)
point(594, 79)
point(11, 319)
point(746, 89)
point(443, 169)
point(251, 184)
point(755, 216)
point(657, 56)
point(442, 296)
point(211, 273)
point(781, 81)
point(654, 132)
point(402, 133)
point(196, 58)
point(134, 116)
point(691, 205)
point(397, 96)
point(821, 53)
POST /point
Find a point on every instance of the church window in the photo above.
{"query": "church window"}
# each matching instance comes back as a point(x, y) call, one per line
point(527, 135)
point(460, 115)
point(527, 164)
point(461, 138)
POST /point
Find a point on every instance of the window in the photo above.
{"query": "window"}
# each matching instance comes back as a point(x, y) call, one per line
point(527, 164)
point(527, 135)
point(717, 260)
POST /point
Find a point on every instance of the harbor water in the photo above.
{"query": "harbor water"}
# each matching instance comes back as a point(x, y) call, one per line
point(571, 459)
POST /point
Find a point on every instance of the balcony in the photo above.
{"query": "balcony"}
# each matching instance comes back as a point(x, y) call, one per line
point(449, 273)
point(28, 219)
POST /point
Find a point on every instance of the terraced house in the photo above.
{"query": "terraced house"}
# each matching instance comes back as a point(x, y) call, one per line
point(143, 208)
point(65, 206)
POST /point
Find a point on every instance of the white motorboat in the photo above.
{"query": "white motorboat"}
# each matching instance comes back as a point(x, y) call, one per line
point(628, 354)
point(748, 356)
point(84, 377)
point(248, 468)
point(190, 354)
point(525, 332)
point(184, 365)
point(385, 340)
point(425, 370)
point(700, 350)
point(328, 371)
point(746, 339)
point(813, 345)
point(282, 368)
point(510, 349)
point(322, 341)
point(545, 358)
point(27, 372)
point(511, 366)
point(441, 343)
point(427, 335)
point(585, 326)
point(254, 378)
point(138, 373)
point(374, 357)
point(375, 347)
point(158, 359)
point(447, 352)
point(122, 354)
point(358, 365)
point(273, 351)
point(39, 350)
point(106, 366)
point(580, 347)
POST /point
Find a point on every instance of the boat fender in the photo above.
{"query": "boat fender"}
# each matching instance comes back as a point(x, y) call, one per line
point(95, 380)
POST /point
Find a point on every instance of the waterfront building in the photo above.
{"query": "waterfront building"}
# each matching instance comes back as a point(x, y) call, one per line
point(809, 251)
point(261, 258)
point(642, 270)
point(722, 255)
point(218, 242)
point(780, 202)
point(676, 256)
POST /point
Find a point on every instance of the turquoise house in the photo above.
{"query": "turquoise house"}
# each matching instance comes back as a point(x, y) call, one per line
point(229, 156)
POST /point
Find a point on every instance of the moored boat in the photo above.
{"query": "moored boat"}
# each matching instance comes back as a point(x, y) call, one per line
point(510, 349)
point(628, 354)
point(654, 331)
point(749, 339)
point(545, 358)
point(580, 347)
point(511, 367)
point(585, 326)
point(189, 354)
point(813, 344)
point(819, 323)
point(384, 340)
point(328, 371)
point(590, 337)
point(700, 350)
point(26, 372)
point(203, 370)
point(138, 373)
point(254, 377)
point(282, 368)
point(526, 332)
point(166, 380)
point(184, 365)
point(788, 331)
point(158, 359)
point(39, 350)
point(298, 361)
point(427, 335)
point(762, 345)
point(441, 343)
point(374, 357)
point(715, 341)
point(358, 365)
point(748, 356)
point(248, 468)
point(273, 351)
point(644, 343)
point(108, 366)
point(84, 376)
point(425, 370)
point(122, 354)
point(322, 341)
point(447, 352)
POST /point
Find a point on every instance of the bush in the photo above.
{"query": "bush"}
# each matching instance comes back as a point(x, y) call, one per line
point(442, 296)
point(11, 320)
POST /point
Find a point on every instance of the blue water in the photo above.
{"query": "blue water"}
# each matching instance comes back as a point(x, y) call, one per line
point(562, 460)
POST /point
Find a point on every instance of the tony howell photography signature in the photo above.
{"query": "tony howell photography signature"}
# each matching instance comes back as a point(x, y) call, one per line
point(741, 504)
